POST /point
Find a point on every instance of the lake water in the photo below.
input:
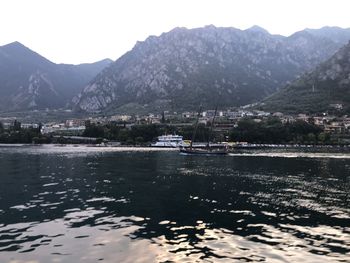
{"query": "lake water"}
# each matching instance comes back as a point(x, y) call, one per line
point(86, 204)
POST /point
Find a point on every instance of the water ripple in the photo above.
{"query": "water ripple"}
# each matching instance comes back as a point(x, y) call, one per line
point(73, 204)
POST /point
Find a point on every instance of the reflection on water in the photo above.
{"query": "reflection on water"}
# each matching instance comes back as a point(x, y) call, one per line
point(84, 204)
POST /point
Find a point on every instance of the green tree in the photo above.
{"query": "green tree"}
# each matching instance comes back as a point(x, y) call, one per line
point(16, 126)
point(323, 137)
point(139, 140)
point(93, 130)
point(123, 135)
point(311, 138)
point(163, 117)
point(272, 130)
point(148, 132)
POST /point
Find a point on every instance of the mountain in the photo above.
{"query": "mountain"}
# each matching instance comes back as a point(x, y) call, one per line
point(30, 81)
point(337, 34)
point(326, 88)
point(186, 67)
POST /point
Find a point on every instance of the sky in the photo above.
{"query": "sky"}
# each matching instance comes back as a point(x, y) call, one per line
point(84, 31)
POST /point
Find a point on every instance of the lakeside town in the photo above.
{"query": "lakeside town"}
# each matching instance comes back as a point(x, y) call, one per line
point(333, 128)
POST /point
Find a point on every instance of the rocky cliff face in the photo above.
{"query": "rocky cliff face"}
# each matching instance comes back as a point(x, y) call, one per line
point(337, 34)
point(30, 81)
point(184, 68)
point(326, 88)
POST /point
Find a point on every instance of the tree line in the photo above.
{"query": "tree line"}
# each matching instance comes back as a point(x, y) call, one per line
point(16, 134)
point(141, 134)
point(270, 130)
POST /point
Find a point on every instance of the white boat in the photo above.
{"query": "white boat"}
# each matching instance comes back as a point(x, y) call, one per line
point(172, 141)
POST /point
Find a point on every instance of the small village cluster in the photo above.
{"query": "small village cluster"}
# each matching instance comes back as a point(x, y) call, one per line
point(224, 120)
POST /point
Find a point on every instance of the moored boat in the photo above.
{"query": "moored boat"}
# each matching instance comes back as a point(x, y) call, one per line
point(208, 150)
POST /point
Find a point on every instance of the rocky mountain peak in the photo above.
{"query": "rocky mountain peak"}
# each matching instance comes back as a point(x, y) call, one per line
point(30, 81)
point(256, 28)
point(185, 67)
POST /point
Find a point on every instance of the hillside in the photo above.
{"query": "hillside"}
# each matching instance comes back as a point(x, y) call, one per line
point(30, 81)
point(325, 89)
point(186, 67)
point(337, 34)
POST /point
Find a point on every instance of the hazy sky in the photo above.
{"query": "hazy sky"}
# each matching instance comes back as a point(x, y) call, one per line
point(76, 31)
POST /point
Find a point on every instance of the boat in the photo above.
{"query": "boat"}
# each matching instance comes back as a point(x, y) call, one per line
point(172, 141)
point(207, 149)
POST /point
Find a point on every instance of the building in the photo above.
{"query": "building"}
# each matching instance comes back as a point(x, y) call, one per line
point(120, 118)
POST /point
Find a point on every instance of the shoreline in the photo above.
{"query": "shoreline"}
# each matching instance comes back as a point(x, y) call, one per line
point(233, 149)
point(239, 146)
point(86, 150)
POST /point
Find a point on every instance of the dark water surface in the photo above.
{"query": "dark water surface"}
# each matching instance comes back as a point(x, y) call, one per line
point(81, 204)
